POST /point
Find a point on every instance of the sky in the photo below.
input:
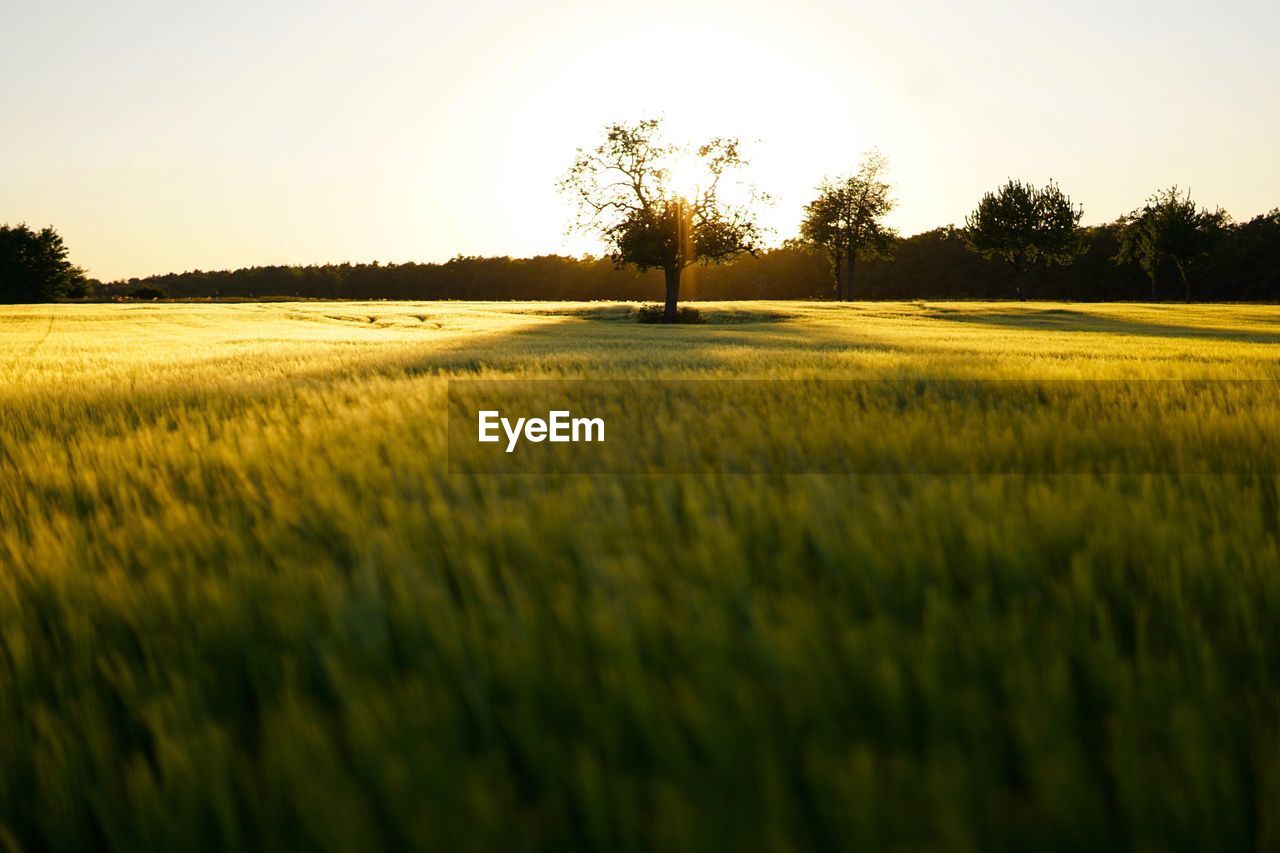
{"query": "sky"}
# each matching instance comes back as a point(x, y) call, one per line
point(163, 137)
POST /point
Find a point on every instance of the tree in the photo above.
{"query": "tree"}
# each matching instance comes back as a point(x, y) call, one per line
point(1169, 226)
point(663, 206)
point(34, 266)
point(844, 220)
point(1023, 225)
point(1246, 264)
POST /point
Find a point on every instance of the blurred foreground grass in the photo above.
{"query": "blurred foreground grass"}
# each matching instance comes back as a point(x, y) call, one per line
point(242, 604)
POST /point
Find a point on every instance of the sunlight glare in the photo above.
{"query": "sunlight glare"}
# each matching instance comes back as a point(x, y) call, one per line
point(687, 177)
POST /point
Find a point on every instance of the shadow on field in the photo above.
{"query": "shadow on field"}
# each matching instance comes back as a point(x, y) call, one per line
point(600, 343)
point(606, 344)
point(1065, 320)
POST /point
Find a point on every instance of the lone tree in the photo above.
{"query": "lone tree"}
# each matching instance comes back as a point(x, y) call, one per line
point(1024, 225)
point(34, 266)
point(663, 206)
point(1169, 226)
point(844, 220)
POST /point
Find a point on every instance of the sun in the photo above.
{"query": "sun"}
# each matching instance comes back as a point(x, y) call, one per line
point(687, 176)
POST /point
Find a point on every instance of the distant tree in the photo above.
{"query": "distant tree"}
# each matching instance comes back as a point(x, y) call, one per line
point(1169, 226)
point(845, 221)
point(1023, 225)
point(1246, 264)
point(663, 206)
point(34, 266)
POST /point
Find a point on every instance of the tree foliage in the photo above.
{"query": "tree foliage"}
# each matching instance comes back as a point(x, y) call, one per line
point(845, 220)
point(935, 264)
point(1169, 227)
point(626, 191)
point(1024, 225)
point(34, 266)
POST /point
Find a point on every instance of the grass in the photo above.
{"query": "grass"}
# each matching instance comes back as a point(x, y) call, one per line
point(655, 313)
point(243, 604)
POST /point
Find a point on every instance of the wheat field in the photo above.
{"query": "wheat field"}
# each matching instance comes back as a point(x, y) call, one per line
point(246, 603)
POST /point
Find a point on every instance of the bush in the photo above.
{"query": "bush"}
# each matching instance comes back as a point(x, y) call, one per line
point(148, 293)
point(653, 314)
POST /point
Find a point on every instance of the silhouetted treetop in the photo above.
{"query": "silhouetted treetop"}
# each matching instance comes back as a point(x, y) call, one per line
point(845, 220)
point(658, 205)
point(1024, 225)
point(1169, 227)
point(34, 266)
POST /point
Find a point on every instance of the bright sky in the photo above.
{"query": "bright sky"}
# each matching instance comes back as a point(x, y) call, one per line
point(163, 136)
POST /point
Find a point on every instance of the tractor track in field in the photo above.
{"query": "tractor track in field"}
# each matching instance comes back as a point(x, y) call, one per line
point(33, 349)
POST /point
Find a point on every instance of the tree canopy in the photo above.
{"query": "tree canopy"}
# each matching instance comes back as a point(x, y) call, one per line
point(1024, 225)
point(34, 266)
point(1169, 226)
point(658, 205)
point(934, 264)
point(845, 220)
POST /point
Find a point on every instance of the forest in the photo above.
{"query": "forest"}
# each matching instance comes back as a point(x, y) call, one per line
point(1243, 266)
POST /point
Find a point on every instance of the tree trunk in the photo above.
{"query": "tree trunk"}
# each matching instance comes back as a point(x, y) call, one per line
point(846, 283)
point(1186, 283)
point(673, 294)
point(839, 270)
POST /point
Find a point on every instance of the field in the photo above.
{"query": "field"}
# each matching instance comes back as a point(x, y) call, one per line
point(244, 604)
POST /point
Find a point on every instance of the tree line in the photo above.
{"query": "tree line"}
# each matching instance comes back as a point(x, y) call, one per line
point(627, 194)
point(681, 221)
point(936, 264)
